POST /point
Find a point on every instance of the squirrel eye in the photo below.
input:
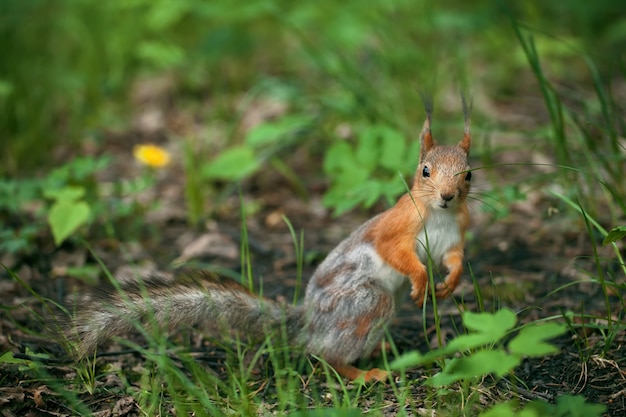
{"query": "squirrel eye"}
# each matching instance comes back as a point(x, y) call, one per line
point(426, 172)
point(468, 176)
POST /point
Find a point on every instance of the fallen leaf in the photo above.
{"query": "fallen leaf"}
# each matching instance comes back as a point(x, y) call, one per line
point(210, 244)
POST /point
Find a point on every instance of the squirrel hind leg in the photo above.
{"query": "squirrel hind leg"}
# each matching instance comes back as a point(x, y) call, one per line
point(353, 373)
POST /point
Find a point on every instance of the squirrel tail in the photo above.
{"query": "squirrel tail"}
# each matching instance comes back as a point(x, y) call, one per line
point(192, 298)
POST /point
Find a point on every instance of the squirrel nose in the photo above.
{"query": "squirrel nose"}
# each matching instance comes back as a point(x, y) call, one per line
point(447, 197)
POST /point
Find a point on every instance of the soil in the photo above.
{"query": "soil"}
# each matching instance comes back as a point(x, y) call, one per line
point(533, 260)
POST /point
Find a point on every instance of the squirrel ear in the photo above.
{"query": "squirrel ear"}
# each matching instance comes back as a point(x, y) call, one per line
point(426, 139)
point(467, 139)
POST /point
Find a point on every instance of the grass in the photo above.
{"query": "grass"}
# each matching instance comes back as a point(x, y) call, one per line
point(348, 92)
point(172, 378)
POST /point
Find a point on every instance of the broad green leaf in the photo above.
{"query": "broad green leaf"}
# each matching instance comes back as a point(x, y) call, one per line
point(614, 235)
point(576, 406)
point(566, 406)
point(276, 131)
point(352, 180)
point(368, 149)
point(499, 322)
point(7, 357)
point(411, 157)
point(392, 149)
point(478, 364)
point(489, 329)
point(510, 409)
point(338, 157)
point(232, 164)
point(370, 191)
point(408, 360)
point(68, 194)
point(393, 188)
point(346, 191)
point(82, 168)
point(340, 205)
point(166, 15)
point(65, 217)
point(537, 408)
point(415, 359)
point(531, 340)
point(506, 409)
point(163, 54)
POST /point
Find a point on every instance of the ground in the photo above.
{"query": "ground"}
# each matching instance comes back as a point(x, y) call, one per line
point(532, 260)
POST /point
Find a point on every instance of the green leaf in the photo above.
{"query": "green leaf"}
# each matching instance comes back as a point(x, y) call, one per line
point(506, 409)
point(393, 149)
point(65, 217)
point(338, 157)
point(347, 191)
point(232, 164)
point(411, 157)
point(161, 54)
point(489, 329)
point(408, 360)
point(368, 149)
point(497, 323)
point(275, 131)
point(67, 194)
point(7, 357)
point(166, 15)
point(537, 408)
point(393, 187)
point(614, 235)
point(85, 167)
point(340, 204)
point(478, 364)
point(511, 409)
point(530, 341)
point(566, 406)
point(370, 192)
point(576, 406)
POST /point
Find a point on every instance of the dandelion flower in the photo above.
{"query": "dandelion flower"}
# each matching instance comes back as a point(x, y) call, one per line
point(151, 155)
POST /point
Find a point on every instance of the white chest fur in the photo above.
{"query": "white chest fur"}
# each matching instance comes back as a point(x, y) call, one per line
point(439, 234)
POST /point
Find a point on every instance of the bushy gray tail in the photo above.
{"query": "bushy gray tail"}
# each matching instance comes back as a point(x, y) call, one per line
point(192, 298)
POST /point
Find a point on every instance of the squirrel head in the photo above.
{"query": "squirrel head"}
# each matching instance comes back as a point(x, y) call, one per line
point(442, 179)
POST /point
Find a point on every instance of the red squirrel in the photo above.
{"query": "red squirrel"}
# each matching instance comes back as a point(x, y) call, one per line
point(352, 295)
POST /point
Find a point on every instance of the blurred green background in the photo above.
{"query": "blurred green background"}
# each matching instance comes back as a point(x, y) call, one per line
point(67, 65)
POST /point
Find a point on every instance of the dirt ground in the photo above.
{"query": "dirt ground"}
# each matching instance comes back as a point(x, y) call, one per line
point(529, 261)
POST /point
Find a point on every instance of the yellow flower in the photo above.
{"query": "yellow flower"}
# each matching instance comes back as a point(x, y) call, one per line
point(151, 155)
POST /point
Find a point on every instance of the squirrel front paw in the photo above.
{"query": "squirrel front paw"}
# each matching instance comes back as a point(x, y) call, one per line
point(419, 279)
point(442, 291)
point(418, 294)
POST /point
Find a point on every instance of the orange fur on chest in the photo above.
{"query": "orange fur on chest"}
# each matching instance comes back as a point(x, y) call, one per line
point(393, 235)
point(395, 232)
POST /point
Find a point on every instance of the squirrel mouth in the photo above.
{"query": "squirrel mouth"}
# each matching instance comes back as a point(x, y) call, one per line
point(444, 205)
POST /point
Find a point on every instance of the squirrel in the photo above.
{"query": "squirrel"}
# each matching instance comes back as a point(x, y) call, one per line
point(352, 295)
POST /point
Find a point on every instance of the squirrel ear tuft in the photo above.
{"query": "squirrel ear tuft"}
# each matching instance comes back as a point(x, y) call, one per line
point(426, 138)
point(467, 110)
point(466, 141)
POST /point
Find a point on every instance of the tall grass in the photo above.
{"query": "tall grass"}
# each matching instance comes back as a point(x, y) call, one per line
point(587, 132)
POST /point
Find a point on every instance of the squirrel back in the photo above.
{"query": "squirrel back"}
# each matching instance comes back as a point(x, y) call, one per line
point(353, 294)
